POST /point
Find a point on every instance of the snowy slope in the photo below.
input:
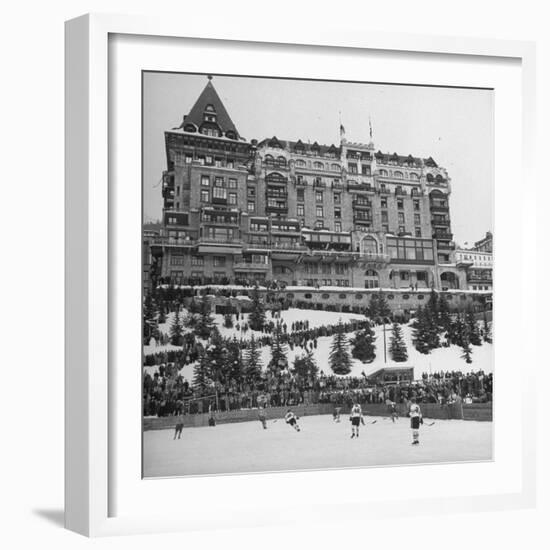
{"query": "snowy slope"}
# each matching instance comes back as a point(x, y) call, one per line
point(441, 359)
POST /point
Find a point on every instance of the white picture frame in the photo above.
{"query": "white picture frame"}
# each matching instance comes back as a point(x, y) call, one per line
point(92, 440)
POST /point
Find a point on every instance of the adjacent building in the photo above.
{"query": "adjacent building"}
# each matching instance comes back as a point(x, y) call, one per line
point(300, 212)
point(478, 263)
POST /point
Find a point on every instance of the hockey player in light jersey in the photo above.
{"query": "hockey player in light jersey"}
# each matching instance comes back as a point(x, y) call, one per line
point(356, 417)
point(416, 419)
point(292, 420)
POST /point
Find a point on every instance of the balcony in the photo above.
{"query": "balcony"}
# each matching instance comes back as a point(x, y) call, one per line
point(441, 222)
point(362, 220)
point(445, 246)
point(442, 236)
point(384, 191)
point(273, 194)
point(361, 187)
point(439, 209)
point(250, 266)
point(400, 193)
point(277, 208)
point(361, 205)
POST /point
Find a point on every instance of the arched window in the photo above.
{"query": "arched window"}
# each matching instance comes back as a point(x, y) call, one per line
point(281, 162)
point(429, 177)
point(190, 128)
point(269, 160)
point(335, 167)
point(383, 172)
point(397, 174)
point(342, 296)
point(318, 165)
point(325, 296)
point(369, 246)
point(371, 279)
point(300, 163)
point(413, 176)
point(439, 178)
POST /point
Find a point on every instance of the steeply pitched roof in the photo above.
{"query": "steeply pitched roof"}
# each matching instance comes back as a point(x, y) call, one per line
point(209, 96)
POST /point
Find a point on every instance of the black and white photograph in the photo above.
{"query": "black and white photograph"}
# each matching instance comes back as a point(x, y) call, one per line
point(317, 274)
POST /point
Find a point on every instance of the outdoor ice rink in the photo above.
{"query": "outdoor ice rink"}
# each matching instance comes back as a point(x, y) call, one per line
point(322, 443)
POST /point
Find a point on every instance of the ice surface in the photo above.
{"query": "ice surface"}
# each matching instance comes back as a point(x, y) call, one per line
point(322, 443)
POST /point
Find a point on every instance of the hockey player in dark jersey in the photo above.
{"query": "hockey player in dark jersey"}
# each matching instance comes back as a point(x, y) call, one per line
point(262, 417)
point(179, 428)
point(292, 420)
point(392, 409)
point(336, 413)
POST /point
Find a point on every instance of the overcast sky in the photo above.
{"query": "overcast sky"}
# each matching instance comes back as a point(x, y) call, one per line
point(454, 126)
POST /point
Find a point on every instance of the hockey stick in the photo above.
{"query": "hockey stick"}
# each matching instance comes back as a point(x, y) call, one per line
point(428, 424)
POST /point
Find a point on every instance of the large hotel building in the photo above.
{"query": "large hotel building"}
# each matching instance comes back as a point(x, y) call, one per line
point(308, 214)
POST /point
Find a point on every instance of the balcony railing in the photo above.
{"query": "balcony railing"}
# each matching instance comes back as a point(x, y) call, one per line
point(361, 204)
point(222, 240)
point(443, 235)
point(250, 266)
point(438, 208)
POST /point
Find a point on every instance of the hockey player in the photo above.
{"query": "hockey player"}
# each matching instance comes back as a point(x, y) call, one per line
point(416, 419)
point(179, 428)
point(392, 409)
point(262, 417)
point(356, 417)
point(292, 420)
point(336, 413)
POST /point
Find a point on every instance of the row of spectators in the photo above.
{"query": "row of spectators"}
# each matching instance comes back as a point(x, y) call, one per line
point(166, 392)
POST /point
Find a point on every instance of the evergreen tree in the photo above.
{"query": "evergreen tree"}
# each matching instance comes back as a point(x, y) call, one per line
point(176, 330)
point(339, 356)
point(253, 361)
point(466, 348)
point(235, 366)
point(216, 357)
point(363, 345)
point(420, 333)
point(398, 349)
point(305, 366)
point(279, 360)
point(378, 308)
point(487, 336)
point(444, 314)
point(201, 378)
point(433, 306)
point(228, 320)
point(204, 320)
point(150, 322)
point(256, 319)
point(473, 327)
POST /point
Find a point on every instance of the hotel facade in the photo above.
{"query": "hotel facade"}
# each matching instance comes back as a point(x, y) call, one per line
point(299, 212)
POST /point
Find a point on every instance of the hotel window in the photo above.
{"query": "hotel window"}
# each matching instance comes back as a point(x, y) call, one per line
point(401, 229)
point(200, 158)
point(232, 183)
point(404, 275)
point(301, 210)
point(176, 260)
point(205, 181)
point(208, 159)
point(410, 249)
point(218, 163)
point(251, 191)
point(400, 204)
point(384, 216)
point(417, 232)
point(188, 159)
point(197, 261)
point(319, 211)
point(386, 228)
point(319, 224)
point(250, 206)
point(337, 198)
point(218, 261)
point(300, 194)
point(401, 217)
point(219, 193)
point(232, 198)
point(416, 204)
point(337, 213)
point(231, 164)
point(417, 219)
point(318, 196)
point(338, 226)
point(384, 202)
point(365, 170)
point(218, 182)
point(352, 168)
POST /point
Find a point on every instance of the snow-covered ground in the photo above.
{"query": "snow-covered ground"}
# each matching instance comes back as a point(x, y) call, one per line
point(246, 447)
point(441, 359)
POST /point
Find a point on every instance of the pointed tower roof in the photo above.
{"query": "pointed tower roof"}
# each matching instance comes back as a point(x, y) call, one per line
point(209, 97)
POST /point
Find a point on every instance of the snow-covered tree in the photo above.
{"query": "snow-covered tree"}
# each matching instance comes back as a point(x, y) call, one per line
point(398, 349)
point(362, 346)
point(339, 356)
point(420, 332)
point(228, 320)
point(256, 318)
point(487, 336)
point(466, 348)
point(473, 327)
point(202, 377)
point(378, 307)
point(444, 313)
